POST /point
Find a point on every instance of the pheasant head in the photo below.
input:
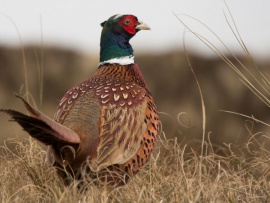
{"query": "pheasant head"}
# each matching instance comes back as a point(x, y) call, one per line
point(115, 36)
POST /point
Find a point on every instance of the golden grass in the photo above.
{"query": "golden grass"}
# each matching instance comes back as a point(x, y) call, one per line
point(252, 77)
point(173, 175)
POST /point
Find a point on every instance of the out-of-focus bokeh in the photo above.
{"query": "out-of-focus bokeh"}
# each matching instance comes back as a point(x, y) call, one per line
point(62, 39)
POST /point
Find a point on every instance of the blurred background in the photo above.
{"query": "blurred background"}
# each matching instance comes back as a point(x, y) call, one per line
point(60, 42)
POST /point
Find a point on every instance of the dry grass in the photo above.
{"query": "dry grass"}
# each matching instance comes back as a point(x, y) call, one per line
point(173, 175)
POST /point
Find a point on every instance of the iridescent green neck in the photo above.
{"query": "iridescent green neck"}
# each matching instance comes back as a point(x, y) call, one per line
point(115, 48)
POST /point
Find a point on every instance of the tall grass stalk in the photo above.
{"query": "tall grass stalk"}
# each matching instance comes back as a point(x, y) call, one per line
point(26, 86)
point(252, 77)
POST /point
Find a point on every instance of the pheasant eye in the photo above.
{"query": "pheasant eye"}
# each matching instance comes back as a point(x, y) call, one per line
point(127, 21)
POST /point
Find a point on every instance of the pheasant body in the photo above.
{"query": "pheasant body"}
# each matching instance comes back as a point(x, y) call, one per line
point(106, 126)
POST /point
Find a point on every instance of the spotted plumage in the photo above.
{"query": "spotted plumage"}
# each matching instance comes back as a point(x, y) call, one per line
point(105, 127)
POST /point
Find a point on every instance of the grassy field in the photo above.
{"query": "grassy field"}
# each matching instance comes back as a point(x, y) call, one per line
point(197, 170)
point(173, 175)
point(176, 172)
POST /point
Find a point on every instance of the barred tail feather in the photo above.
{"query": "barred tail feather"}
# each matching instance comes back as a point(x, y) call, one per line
point(49, 133)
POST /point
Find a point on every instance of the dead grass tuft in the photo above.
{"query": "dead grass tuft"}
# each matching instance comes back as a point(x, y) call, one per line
point(173, 175)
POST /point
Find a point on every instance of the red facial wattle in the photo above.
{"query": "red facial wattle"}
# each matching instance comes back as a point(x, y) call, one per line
point(129, 23)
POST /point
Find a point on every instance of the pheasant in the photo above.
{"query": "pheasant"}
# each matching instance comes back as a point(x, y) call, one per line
point(106, 127)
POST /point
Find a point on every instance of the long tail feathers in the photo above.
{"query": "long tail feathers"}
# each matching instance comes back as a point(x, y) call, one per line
point(41, 127)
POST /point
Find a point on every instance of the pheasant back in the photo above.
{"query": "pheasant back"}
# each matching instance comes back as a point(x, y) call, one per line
point(116, 118)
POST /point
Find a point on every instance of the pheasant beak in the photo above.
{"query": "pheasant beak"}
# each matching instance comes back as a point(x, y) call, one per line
point(142, 26)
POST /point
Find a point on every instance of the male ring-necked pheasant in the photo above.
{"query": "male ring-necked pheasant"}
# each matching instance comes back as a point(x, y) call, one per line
point(105, 127)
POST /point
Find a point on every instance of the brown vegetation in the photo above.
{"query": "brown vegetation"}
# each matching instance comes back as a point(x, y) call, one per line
point(173, 175)
point(232, 166)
